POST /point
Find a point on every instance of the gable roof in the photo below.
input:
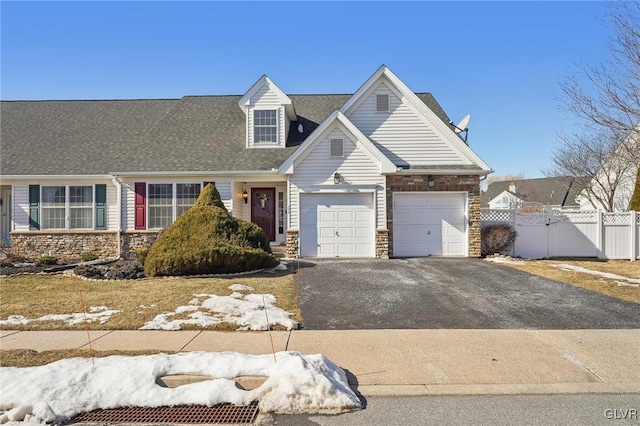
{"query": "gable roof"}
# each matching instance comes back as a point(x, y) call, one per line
point(195, 133)
point(337, 117)
point(191, 134)
point(555, 191)
point(265, 80)
point(442, 127)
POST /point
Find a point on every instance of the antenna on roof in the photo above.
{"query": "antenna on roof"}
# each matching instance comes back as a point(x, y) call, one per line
point(462, 127)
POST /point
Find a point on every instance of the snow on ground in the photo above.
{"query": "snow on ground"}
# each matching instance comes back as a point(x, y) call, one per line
point(246, 310)
point(619, 279)
point(96, 313)
point(295, 383)
point(510, 260)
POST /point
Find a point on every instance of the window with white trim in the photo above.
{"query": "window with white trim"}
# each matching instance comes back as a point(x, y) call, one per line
point(81, 207)
point(160, 205)
point(265, 126)
point(167, 201)
point(54, 207)
point(337, 148)
point(186, 195)
point(62, 202)
point(280, 212)
point(382, 103)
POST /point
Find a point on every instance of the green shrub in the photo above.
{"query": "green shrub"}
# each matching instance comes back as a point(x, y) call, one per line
point(497, 239)
point(634, 204)
point(209, 197)
point(88, 256)
point(206, 240)
point(47, 260)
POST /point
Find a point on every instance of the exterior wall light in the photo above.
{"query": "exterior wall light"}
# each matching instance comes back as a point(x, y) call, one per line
point(336, 178)
point(430, 181)
point(245, 196)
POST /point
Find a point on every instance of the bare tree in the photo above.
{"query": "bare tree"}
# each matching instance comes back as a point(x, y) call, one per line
point(607, 95)
point(606, 99)
point(592, 161)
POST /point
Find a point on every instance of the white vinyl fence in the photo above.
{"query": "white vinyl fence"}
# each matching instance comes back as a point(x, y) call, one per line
point(571, 233)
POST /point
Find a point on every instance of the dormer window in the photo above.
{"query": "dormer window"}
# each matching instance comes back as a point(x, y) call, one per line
point(382, 103)
point(265, 126)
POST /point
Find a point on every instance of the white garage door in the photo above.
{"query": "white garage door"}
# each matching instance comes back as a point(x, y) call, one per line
point(429, 224)
point(333, 225)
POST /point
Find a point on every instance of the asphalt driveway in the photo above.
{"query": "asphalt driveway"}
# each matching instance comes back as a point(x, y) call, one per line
point(449, 293)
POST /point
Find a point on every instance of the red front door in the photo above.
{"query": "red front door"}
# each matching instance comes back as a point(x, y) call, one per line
point(263, 210)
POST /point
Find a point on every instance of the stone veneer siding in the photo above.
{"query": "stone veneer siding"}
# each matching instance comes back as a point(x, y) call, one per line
point(131, 241)
point(465, 183)
point(65, 245)
point(69, 246)
point(382, 243)
point(292, 244)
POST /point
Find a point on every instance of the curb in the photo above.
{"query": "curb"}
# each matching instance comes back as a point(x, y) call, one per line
point(500, 389)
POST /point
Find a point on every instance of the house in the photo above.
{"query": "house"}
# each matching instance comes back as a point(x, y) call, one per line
point(556, 192)
point(619, 172)
point(377, 173)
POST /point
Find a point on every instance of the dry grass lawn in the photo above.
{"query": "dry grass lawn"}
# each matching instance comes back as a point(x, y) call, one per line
point(34, 296)
point(608, 286)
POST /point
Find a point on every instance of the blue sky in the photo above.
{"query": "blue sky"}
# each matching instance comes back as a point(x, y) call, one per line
point(501, 62)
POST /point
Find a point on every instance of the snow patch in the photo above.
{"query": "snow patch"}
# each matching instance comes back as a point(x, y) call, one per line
point(281, 267)
point(509, 260)
point(240, 287)
point(620, 279)
point(245, 310)
point(96, 313)
point(56, 392)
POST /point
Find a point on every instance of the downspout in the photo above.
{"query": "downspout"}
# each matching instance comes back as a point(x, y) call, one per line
point(118, 185)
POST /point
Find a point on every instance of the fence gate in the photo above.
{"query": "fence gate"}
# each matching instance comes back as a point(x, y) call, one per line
point(556, 233)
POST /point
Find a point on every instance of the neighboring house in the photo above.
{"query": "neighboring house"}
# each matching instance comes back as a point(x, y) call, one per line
point(620, 169)
point(556, 192)
point(375, 174)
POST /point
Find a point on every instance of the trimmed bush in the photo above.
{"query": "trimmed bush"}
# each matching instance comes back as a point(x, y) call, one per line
point(207, 240)
point(88, 256)
point(47, 260)
point(497, 239)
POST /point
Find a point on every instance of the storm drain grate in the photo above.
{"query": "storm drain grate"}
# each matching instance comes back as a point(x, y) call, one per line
point(181, 414)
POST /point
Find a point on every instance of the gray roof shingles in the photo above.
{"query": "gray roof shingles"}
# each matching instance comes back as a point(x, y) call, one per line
point(550, 190)
point(195, 133)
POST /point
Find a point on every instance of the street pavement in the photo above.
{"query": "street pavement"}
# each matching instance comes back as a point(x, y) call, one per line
point(495, 410)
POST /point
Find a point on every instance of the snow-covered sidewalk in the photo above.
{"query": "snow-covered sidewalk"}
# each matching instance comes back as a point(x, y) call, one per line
point(295, 383)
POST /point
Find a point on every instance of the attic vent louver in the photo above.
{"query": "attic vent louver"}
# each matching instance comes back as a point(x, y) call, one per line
point(382, 103)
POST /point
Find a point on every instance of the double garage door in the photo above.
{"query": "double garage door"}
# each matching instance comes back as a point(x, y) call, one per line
point(336, 225)
point(429, 224)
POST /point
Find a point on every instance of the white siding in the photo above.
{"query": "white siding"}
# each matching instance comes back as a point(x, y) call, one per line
point(315, 172)
point(266, 98)
point(401, 134)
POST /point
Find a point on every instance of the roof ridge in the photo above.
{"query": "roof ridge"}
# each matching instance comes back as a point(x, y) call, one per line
point(90, 100)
